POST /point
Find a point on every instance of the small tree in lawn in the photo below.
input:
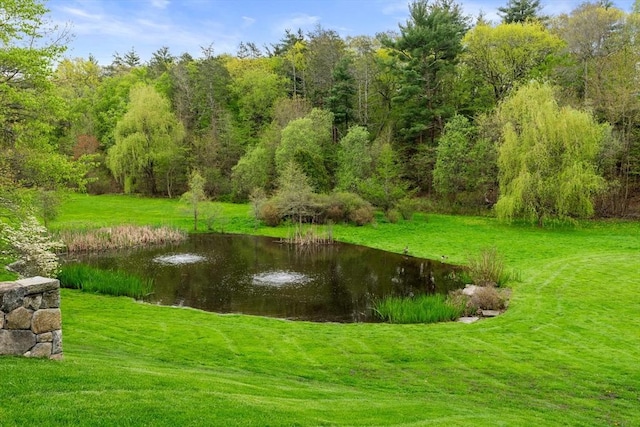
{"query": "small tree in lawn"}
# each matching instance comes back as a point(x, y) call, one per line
point(547, 158)
point(195, 196)
point(295, 194)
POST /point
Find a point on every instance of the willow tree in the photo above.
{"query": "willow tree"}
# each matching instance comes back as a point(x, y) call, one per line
point(147, 142)
point(547, 158)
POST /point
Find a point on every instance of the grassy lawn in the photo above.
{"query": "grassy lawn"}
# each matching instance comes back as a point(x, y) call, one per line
point(567, 351)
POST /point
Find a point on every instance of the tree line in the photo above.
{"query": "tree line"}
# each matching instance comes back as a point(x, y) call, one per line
point(535, 116)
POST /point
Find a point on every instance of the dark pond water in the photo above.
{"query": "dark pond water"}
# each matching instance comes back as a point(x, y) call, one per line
point(257, 275)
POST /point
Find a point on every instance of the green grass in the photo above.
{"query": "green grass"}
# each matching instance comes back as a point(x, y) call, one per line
point(108, 282)
point(566, 351)
point(419, 309)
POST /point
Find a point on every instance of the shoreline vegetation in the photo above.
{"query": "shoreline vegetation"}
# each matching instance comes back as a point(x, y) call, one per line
point(119, 237)
point(565, 352)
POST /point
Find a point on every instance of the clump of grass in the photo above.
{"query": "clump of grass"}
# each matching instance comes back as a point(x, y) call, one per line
point(310, 236)
point(108, 282)
point(487, 269)
point(420, 309)
point(120, 237)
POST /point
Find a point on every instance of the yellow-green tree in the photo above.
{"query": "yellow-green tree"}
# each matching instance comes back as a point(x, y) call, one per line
point(195, 196)
point(507, 54)
point(547, 158)
point(148, 140)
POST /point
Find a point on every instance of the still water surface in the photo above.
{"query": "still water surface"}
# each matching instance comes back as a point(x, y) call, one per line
point(257, 275)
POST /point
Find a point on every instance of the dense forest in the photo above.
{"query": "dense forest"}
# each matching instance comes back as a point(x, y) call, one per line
point(535, 117)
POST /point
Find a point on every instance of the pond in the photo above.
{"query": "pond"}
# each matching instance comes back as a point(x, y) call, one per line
point(258, 275)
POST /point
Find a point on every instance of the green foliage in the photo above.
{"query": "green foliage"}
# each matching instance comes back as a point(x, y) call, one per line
point(256, 87)
point(195, 196)
point(148, 141)
point(425, 56)
point(420, 309)
point(384, 188)
point(306, 141)
point(507, 54)
point(465, 163)
point(517, 11)
point(294, 196)
point(340, 100)
point(547, 158)
point(107, 282)
point(407, 207)
point(354, 160)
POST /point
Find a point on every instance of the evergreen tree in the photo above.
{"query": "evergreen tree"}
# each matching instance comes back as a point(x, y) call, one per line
point(520, 11)
point(341, 96)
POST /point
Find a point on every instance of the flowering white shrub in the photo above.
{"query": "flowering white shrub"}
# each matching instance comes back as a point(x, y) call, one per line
point(33, 244)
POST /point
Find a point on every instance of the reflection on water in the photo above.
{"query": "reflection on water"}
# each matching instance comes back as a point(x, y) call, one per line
point(257, 275)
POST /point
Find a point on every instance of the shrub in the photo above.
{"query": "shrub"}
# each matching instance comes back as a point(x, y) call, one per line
point(487, 268)
point(362, 215)
point(483, 298)
point(32, 244)
point(487, 298)
point(420, 309)
point(392, 215)
point(269, 213)
point(406, 207)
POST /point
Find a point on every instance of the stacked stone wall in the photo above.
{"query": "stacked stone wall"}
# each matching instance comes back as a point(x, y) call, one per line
point(30, 318)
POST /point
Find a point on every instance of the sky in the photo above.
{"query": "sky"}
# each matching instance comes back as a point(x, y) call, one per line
point(103, 27)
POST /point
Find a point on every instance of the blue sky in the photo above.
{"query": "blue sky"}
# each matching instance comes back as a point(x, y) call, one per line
point(103, 27)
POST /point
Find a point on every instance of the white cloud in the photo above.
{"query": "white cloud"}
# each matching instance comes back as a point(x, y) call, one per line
point(298, 20)
point(160, 4)
point(80, 13)
point(247, 21)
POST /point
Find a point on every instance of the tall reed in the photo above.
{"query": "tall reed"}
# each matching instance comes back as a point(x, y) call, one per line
point(310, 236)
point(419, 309)
point(108, 282)
point(487, 268)
point(120, 237)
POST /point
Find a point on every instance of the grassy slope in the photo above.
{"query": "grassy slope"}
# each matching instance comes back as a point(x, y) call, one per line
point(566, 352)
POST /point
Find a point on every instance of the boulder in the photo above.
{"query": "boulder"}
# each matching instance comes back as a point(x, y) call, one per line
point(42, 349)
point(50, 299)
point(469, 290)
point(490, 313)
point(46, 320)
point(46, 337)
point(38, 285)
point(20, 318)
point(57, 342)
point(12, 295)
point(32, 302)
point(16, 341)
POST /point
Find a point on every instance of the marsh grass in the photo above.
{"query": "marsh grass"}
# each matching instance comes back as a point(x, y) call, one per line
point(107, 282)
point(420, 309)
point(119, 237)
point(310, 235)
point(487, 268)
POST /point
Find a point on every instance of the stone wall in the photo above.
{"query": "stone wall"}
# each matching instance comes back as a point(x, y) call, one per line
point(30, 319)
